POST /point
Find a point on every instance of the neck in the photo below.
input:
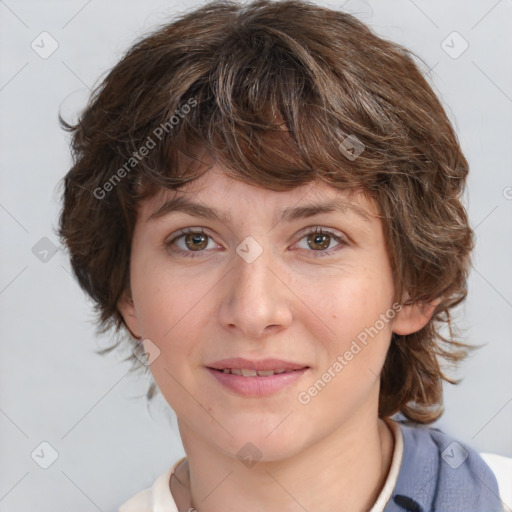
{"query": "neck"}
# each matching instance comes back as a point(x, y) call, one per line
point(344, 471)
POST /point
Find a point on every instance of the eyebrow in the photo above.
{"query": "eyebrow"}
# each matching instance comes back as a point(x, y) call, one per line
point(185, 205)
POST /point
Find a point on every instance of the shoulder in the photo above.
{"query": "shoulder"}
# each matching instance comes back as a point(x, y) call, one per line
point(449, 452)
point(502, 469)
point(440, 472)
point(141, 502)
point(155, 498)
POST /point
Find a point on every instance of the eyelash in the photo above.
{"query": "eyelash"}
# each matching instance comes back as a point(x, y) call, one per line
point(316, 231)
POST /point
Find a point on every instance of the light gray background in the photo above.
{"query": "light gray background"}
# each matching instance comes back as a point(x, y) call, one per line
point(54, 388)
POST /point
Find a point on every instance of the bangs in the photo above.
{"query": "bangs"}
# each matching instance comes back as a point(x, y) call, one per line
point(260, 113)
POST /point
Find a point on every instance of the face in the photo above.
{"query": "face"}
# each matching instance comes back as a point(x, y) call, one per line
point(314, 292)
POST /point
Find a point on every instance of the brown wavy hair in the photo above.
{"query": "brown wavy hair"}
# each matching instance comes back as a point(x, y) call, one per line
point(271, 90)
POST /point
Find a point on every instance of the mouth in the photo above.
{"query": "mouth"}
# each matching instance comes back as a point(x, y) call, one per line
point(247, 372)
point(252, 378)
point(241, 364)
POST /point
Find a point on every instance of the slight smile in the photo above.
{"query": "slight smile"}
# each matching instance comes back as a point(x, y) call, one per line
point(256, 378)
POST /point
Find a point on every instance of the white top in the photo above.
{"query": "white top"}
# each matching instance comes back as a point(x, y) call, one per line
point(158, 498)
point(502, 469)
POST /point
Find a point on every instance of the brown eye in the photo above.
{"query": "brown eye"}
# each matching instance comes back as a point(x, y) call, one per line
point(196, 241)
point(322, 242)
point(319, 241)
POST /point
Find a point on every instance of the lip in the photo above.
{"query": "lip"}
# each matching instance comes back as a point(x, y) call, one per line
point(257, 386)
point(251, 364)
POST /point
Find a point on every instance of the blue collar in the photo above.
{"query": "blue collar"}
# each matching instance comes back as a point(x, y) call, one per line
point(440, 474)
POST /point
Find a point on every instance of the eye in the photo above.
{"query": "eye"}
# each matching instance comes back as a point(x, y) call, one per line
point(195, 240)
point(319, 240)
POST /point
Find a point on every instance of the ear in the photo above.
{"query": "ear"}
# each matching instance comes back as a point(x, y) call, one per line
point(126, 307)
point(411, 318)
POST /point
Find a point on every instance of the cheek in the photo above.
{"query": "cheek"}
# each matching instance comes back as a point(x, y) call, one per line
point(169, 308)
point(349, 303)
point(358, 315)
point(164, 298)
point(354, 350)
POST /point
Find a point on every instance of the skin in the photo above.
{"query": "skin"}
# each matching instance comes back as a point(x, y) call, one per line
point(333, 453)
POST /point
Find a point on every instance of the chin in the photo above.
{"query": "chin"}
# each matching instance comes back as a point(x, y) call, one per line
point(257, 444)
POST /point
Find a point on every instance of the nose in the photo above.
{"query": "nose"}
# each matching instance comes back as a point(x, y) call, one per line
point(256, 297)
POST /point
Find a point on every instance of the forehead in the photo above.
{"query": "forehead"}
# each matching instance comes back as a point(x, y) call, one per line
point(218, 196)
